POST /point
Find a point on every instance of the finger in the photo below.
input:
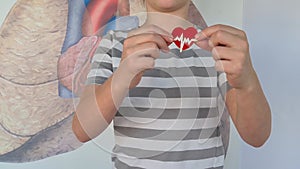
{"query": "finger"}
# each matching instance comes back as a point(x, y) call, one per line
point(145, 38)
point(225, 53)
point(137, 63)
point(145, 63)
point(152, 35)
point(203, 44)
point(229, 67)
point(207, 32)
point(223, 66)
point(151, 29)
point(148, 49)
point(223, 38)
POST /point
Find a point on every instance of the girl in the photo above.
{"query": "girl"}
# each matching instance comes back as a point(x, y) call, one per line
point(166, 104)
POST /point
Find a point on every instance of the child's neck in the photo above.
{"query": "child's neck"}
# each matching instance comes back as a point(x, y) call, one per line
point(168, 20)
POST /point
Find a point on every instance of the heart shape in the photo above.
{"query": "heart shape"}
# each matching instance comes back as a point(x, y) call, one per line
point(184, 38)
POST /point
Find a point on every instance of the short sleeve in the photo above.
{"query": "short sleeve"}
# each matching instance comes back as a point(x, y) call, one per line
point(223, 84)
point(101, 65)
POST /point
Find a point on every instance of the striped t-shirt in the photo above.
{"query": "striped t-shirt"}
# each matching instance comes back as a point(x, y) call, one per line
point(171, 120)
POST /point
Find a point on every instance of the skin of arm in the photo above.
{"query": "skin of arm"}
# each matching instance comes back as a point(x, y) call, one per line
point(250, 113)
point(246, 103)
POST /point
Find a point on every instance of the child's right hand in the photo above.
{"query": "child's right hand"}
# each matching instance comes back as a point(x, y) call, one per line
point(140, 50)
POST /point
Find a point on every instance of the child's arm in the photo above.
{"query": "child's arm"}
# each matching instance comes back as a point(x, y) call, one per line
point(250, 112)
point(96, 109)
point(99, 103)
point(246, 102)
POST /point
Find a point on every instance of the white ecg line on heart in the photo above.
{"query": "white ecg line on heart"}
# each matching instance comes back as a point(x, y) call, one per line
point(184, 40)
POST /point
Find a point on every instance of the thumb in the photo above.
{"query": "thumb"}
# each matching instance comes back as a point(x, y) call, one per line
point(204, 44)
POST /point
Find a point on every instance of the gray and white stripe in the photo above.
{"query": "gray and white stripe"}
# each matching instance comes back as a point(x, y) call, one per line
point(172, 118)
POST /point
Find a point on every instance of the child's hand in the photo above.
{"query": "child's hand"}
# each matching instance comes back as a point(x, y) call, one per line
point(140, 50)
point(230, 49)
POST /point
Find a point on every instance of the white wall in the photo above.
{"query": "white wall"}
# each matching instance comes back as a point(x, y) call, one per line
point(273, 27)
point(90, 155)
point(229, 12)
point(5, 7)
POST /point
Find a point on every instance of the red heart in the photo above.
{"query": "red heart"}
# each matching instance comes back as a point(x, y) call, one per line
point(183, 38)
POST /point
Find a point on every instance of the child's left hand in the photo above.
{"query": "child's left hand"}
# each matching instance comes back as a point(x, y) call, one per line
point(230, 49)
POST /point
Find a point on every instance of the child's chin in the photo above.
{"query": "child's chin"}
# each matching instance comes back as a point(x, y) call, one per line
point(169, 5)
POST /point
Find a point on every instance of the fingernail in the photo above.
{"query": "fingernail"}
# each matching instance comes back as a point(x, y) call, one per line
point(170, 39)
point(199, 36)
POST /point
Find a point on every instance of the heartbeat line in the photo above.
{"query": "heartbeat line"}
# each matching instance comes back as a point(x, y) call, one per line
point(184, 40)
